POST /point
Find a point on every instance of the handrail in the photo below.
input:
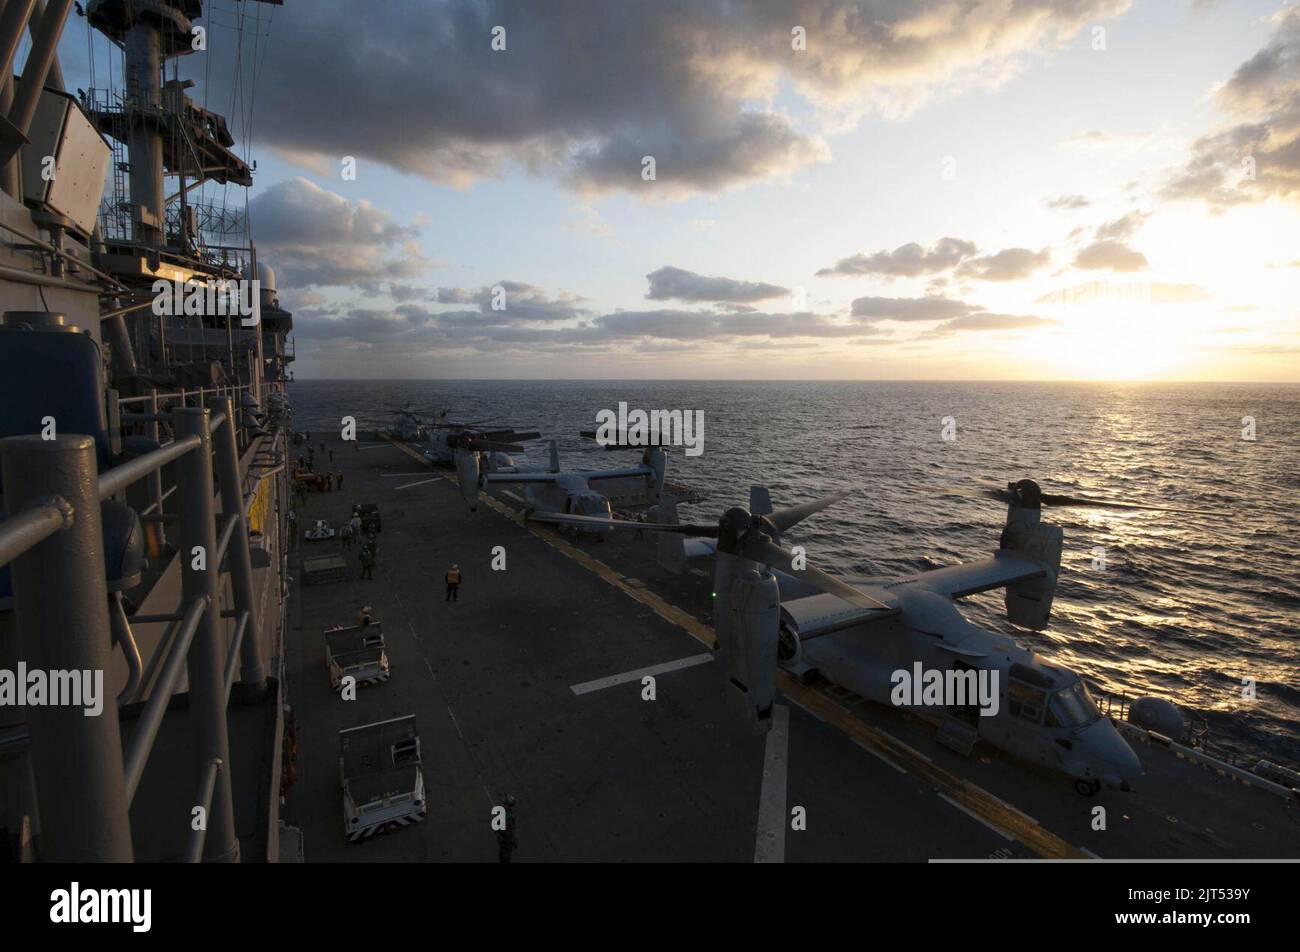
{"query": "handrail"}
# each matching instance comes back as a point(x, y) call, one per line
point(31, 527)
point(141, 743)
point(181, 394)
point(115, 480)
point(190, 641)
point(232, 655)
point(207, 786)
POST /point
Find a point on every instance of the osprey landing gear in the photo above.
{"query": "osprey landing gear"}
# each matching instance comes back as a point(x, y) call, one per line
point(1087, 788)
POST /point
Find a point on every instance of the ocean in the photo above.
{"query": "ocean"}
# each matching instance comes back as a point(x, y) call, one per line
point(1195, 608)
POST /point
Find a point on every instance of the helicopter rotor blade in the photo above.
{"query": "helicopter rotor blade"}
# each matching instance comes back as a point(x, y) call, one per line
point(792, 515)
point(572, 519)
point(762, 549)
point(1059, 499)
point(1056, 499)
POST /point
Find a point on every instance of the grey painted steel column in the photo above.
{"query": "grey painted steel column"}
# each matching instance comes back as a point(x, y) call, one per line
point(154, 479)
point(145, 148)
point(61, 599)
point(45, 44)
point(206, 659)
point(252, 675)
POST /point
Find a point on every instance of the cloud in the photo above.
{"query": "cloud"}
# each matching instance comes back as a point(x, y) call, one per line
point(993, 322)
point(412, 329)
point(1011, 264)
point(1257, 154)
point(909, 309)
point(1123, 228)
point(1110, 255)
point(314, 237)
point(1100, 139)
point(1127, 293)
point(1068, 202)
point(669, 283)
point(906, 261)
point(586, 89)
point(516, 301)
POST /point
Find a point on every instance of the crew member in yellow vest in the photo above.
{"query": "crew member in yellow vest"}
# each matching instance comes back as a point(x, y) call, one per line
point(453, 583)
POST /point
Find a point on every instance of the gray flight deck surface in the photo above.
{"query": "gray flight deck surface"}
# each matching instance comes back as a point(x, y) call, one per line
point(606, 776)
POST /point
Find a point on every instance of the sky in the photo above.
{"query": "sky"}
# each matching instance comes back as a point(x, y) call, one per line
point(883, 189)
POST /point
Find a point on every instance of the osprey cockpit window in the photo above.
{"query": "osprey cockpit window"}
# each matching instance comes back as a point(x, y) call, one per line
point(1072, 707)
point(1025, 701)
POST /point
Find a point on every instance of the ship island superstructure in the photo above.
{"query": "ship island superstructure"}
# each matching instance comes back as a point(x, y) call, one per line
point(143, 423)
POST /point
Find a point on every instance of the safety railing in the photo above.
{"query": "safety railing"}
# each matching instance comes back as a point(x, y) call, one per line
point(86, 778)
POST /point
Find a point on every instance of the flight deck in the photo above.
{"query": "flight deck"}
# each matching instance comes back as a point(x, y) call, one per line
point(532, 684)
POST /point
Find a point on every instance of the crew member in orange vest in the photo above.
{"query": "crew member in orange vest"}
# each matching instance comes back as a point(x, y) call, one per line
point(453, 583)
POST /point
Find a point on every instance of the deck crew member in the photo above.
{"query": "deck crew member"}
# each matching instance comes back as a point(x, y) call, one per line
point(338, 477)
point(345, 535)
point(367, 561)
point(453, 583)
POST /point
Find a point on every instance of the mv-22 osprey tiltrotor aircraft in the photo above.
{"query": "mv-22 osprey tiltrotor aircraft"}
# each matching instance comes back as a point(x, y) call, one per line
point(577, 493)
point(772, 609)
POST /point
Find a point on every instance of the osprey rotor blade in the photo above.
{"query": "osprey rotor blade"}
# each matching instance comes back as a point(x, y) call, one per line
point(1059, 499)
point(792, 515)
point(763, 550)
point(1056, 499)
point(572, 519)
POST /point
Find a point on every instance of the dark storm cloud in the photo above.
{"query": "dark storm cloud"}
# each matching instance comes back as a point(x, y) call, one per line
point(906, 261)
point(676, 284)
point(314, 237)
point(1257, 155)
point(585, 89)
point(1010, 264)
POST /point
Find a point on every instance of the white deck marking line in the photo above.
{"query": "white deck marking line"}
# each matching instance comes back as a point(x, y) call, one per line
point(769, 840)
point(420, 482)
point(601, 683)
point(1084, 849)
point(374, 446)
point(416, 473)
point(977, 818)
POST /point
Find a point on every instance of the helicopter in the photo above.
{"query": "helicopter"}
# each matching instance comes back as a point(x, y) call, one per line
point(571, 492)
point(873, 636)
point(408, 424)
point(444, 438)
